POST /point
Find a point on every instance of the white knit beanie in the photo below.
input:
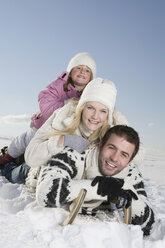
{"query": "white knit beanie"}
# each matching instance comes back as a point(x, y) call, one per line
point(102, 91)
point(82, 59)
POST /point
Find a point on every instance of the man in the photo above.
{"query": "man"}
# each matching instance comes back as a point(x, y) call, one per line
point(105, 172)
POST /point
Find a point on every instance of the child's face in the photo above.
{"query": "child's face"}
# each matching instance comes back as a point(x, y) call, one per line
point(81, 75)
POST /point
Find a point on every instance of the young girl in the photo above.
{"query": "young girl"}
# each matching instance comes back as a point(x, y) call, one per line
point(70, 84)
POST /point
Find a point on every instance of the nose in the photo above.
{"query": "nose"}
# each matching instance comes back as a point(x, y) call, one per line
point(115, 156)
point(82, 70)
point(95, 115)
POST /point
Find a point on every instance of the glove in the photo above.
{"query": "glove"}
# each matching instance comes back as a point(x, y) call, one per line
point(121, 202)
point(109, 186)
point(125, 198)
point(78, 143)
point(112, 187)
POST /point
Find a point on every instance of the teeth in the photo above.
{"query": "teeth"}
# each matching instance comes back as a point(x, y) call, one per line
point(112, 165)
point(93, 122)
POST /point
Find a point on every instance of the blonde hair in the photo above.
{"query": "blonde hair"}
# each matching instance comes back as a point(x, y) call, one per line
point(95, 137)
point(74, 124)
point(70, 81)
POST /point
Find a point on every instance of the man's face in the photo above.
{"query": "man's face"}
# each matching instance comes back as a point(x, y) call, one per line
point(115, 155)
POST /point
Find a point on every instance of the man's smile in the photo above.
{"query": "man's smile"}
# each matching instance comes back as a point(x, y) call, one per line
point(110, 164)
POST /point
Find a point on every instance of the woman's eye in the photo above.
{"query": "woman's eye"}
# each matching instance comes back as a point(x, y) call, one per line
point(89, 107)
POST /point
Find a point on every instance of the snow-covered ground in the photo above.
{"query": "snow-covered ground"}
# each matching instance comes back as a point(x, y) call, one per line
point(24, 224)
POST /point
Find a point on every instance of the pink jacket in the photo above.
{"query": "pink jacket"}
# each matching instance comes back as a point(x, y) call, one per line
point(52, 98)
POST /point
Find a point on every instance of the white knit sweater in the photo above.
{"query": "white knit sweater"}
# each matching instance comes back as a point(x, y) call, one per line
point(61, 180)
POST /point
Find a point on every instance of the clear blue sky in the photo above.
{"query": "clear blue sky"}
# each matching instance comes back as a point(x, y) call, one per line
point(126, 39)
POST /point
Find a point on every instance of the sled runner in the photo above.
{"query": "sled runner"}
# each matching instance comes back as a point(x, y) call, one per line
point(128, 215)
point(78, 204)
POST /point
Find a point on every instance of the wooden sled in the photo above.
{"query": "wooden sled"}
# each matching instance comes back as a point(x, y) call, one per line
point(78, 204)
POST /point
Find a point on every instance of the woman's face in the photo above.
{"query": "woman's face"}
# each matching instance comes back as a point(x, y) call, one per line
point(94, 115)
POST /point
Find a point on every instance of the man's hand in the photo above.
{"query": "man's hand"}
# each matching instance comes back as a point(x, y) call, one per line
point(127, 195)
point(112, 187)
point(109, 186)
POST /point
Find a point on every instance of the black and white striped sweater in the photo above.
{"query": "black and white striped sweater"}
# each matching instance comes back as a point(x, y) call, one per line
point(61, 180)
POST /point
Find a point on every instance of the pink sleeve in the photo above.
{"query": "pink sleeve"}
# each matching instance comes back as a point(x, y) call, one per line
point(52, 97)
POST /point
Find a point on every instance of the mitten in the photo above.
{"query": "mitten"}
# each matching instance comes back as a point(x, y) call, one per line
point(112, 187)
point(109, 186)
point(128, 195)
point(78, 143)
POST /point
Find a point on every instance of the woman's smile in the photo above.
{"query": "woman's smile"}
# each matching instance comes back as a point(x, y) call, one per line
point(94, 115)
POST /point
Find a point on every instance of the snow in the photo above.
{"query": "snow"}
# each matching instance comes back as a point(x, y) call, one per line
point(24, 224)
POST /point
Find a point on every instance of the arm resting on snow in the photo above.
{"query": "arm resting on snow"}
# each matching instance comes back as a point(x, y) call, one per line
point(61, 180)
point(142, 213)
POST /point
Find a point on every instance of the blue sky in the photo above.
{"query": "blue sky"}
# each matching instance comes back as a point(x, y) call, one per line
point(126, 39)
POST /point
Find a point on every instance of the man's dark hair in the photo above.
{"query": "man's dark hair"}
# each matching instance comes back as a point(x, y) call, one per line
point(126, 132)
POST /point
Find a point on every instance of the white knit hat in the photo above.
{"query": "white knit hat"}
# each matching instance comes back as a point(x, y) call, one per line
point(102, 91)
point(82, 59)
